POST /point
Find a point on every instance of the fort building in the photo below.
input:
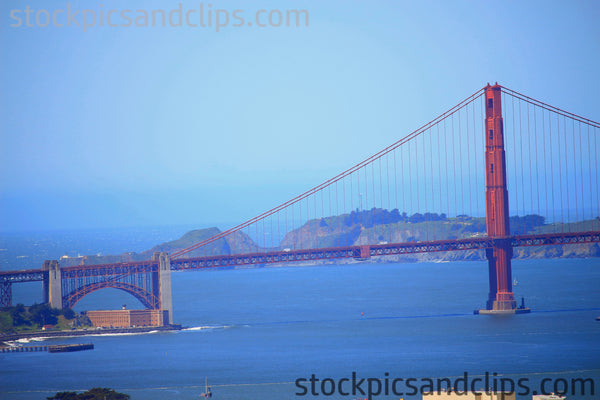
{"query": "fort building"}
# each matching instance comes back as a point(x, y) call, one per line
point(128, 318)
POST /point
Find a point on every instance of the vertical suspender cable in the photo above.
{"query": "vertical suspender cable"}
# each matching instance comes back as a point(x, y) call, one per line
point(418, 181)
point(381, 222)
point(432, 174)
point(403, 184)
point(312, 197)
point(521, 154)
point(597, 181)
point(360, 206)
point(514, 151)
point(470, 187)
point(366, 205)
point(396, 179)
point(374, 213)
point(389, 205)
point(590, 168)
point(329, 196)
point(351, 193)
point(545, 169)
point(576, 189)
point(589, 145)
point(337, 200)
point(575, 174)
point(256, 232)
point(271, 221)
point(581, 162)
point(454, 167)
point(537, 171)
point(410, 186)
point(387, 173)
point(300, 225)
point(477, 168)
point(530, 165)
point(322, 206)
point(425, 178)
point(560, 172)
point(460, 159)
point(446, 168)
point(286, 222)
point(439, 160)
point(567, 176)
point(344, 195)
point(551, 170)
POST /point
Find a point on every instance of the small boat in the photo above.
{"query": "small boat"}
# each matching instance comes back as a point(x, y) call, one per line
point(207, 393)
point(515, 282)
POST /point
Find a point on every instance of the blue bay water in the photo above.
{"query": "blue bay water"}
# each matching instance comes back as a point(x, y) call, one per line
point(255, 331)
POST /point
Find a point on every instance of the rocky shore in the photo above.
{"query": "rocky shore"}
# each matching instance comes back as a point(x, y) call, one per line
point(7, 337)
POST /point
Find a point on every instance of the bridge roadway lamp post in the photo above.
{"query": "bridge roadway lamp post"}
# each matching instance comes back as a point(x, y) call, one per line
point(501, 299)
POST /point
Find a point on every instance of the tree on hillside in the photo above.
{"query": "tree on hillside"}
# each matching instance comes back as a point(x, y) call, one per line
point(68, 313)
point(92, 394)
point(18, 315)
point(43, 314)
point(525, 224)
point(64, 396)
point(6, 322)
point(416, 218)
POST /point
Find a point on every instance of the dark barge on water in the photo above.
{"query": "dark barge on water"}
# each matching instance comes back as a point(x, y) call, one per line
point(65, 348)
point(55, 348)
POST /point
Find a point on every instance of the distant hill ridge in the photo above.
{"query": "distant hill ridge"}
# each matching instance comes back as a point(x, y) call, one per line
point(373, 226)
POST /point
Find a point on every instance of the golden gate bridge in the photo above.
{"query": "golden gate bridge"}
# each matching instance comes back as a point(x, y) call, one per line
point(496, 147)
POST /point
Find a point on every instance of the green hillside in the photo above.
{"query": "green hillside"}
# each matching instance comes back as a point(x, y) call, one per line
point(372, 227)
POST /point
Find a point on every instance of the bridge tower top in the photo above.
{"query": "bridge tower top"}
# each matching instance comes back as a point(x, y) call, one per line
point(497, 216)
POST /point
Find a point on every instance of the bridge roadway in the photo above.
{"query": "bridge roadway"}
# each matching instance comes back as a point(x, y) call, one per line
point(357, 252)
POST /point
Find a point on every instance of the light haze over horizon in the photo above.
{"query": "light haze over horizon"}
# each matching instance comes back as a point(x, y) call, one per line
point(134, 126)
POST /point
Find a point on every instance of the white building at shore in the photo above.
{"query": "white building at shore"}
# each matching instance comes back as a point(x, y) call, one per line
point(454, 395)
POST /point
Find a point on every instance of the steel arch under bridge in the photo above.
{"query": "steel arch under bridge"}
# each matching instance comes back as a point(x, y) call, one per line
point(148, 281)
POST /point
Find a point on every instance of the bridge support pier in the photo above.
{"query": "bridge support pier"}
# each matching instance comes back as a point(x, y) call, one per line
point(501, 299)
point(164, 284)
point(52, 284)
point(5, 294)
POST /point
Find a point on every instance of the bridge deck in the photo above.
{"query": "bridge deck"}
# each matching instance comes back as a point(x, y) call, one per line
point(476, 243)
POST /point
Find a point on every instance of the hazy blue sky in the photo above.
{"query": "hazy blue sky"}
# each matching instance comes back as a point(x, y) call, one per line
point(126, 126)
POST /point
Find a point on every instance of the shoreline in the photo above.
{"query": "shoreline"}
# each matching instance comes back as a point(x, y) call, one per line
point(80, 332)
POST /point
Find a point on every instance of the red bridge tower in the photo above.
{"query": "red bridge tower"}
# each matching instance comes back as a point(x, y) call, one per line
point(501, 299)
